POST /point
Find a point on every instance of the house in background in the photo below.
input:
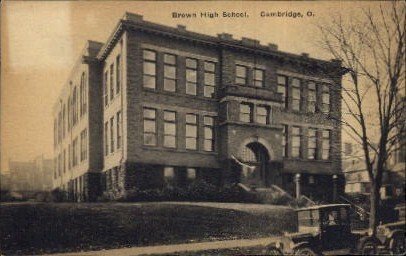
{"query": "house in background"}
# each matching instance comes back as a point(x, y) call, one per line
point(157, 103)
point(35, 175)
point(357, 178)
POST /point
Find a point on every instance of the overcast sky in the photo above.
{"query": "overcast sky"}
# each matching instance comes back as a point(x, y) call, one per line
point(42, 40)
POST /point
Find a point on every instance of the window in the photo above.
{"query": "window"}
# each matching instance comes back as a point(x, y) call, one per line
point(191, 173)
point(209, 79)
point(118, 74)
point(106, 89)
point(285, 141)
point(208, 133)
point(296, 94)
point(112, 134)
point(106, 141)
point(191, 131)
point(83, 145)
point(83, 95)
point(312, 144)
point(111, 81)
point(59, 164)
point(149, 126)
point(69, 156)
point(64, 161)
point(118, 120)
point(240, 75)
point(296, 142)
point(325, 99)
point(258, 75)
point(59, 126)
point(191, 76)
point(326, 134)
point(69, 112)
point(245, 112)
point(282, 89)
point(169, 129)
point(311, 97)
point(75, 152)
point(63, 121)
point(169, 72)
point(75, 106)
point(263, 115)
point(169, 173)
point(149, 67)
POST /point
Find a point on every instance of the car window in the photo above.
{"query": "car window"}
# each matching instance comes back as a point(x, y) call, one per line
point(331, 218)
point(344, 214)
point(308, 218)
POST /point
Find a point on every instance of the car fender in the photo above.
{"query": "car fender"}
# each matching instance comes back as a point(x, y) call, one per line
point(393, 234)
point(300, 245)
point(365, 239)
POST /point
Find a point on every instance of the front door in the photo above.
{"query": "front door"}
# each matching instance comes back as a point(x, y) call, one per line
point(255, 168)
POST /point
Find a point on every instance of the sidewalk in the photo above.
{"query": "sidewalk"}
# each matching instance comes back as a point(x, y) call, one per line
point(175, 248)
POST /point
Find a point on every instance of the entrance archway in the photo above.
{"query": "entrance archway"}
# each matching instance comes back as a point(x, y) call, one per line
point(255, 171)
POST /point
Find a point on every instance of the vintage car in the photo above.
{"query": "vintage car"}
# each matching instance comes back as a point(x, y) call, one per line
point(326, 230)
point(322, 230)
point(392, 237)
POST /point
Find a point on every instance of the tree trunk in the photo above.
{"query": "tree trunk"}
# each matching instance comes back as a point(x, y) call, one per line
point(374, 211)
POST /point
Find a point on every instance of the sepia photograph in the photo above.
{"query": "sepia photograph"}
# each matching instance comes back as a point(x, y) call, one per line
point(202, 128)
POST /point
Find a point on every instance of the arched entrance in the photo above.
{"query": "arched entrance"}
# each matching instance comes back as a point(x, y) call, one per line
point(255, 171)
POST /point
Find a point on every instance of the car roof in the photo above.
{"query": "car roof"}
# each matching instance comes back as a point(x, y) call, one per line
point(323, 206)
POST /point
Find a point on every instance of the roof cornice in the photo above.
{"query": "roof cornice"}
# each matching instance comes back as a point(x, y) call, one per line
point(135, 22)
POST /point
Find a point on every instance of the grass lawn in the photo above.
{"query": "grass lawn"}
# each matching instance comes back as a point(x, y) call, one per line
point(257, 250)
point(45, 228)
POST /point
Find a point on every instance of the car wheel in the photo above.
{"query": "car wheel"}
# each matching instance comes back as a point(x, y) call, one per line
point(397, 244)
point(369, 248)
point(273, 251)
point(305, 251)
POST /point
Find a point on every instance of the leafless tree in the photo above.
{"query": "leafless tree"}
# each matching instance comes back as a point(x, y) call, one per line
point(371, 47)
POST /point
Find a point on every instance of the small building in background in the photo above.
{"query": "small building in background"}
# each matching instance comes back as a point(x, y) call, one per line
point(35, 175)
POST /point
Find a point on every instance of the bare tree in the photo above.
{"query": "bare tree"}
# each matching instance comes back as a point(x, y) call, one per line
point(371, 47)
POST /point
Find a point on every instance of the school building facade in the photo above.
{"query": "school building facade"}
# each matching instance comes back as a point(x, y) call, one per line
point(157, 105)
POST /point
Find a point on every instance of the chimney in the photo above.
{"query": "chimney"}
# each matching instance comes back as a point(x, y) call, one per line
point(273, 47)
point(336, 62)
point(225, 36)
point(132, 16)
point(249, 41)
point(181, 27)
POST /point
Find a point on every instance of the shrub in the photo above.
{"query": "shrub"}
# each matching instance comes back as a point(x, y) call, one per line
point(136, 195)
point(202, 191)
point(233, 193)
point(5, 196)
point(44, 196)
point(58, 195)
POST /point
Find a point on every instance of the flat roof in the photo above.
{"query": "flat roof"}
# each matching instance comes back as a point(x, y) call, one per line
point(136, 22)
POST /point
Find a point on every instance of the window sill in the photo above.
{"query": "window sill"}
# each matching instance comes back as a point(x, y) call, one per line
point(301, 112)
point(180, 94)
point(175, 150)
point(307, 160)
point(267, 126)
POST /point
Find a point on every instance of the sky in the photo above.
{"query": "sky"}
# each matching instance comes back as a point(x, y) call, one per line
point(42, 40)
